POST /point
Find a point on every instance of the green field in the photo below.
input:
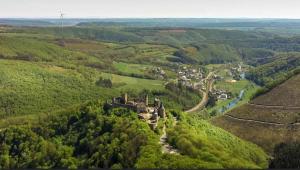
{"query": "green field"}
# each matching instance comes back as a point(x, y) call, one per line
point(236, 87)
point(126, 68)
point(132, 83)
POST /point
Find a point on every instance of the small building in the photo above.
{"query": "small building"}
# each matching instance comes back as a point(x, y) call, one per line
point(223, 96)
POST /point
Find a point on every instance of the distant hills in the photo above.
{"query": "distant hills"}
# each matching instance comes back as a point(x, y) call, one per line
point(25, 22)
point(196, 23)
point(235, 23)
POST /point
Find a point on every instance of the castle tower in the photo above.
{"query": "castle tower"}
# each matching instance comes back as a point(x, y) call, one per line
point(162, 111)
point(146, 100)
point(125, 98)
point(155, 115)
point(156, 102)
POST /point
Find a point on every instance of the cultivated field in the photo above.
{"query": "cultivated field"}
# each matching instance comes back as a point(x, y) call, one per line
point(262, 134)
point(286, 94)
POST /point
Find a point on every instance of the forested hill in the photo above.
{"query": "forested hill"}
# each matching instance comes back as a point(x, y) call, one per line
point(203, 46)
point(250, 44)
point(196, 23)
point(88, 137)
point(284, 66)
point(172, 36)
point(218, 23)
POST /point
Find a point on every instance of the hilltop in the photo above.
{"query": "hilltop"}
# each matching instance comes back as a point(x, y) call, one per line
point(269, 119)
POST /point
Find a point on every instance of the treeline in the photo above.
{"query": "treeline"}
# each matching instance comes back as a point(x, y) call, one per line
point(268, 41)
point(286, 155)
point(103, 34)
point(274, 73)
point(206, 54)
point(271, 74)
point(171, 36)
point(257, 56)
point(186, 97)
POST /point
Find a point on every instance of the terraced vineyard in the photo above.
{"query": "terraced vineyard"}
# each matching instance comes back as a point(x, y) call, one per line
point(269, 119)
point(286, 94)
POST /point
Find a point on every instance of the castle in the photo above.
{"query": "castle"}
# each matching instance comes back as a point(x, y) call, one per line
point(146, 112)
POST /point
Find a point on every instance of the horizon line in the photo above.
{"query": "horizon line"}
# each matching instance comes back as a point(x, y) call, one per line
point(262, 18)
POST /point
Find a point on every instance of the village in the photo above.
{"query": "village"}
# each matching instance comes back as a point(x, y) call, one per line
point(195, 78)
point(191, 77)
point(235, 72)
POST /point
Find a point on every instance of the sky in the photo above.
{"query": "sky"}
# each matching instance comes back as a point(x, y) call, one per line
point(150, 8)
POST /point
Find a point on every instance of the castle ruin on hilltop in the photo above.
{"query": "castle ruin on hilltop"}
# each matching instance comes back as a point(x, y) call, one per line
point(147, 112)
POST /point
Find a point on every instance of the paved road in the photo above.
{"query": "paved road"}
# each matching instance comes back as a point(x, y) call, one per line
point(205, 96)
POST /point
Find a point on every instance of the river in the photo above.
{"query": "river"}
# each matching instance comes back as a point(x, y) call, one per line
point(233, 103)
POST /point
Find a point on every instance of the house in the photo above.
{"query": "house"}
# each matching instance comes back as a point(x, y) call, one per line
point(223, 96)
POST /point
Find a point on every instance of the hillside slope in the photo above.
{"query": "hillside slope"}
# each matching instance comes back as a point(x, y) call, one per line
point(284, 66)
point(40, 74)
point(88, 137)
point(269, 119)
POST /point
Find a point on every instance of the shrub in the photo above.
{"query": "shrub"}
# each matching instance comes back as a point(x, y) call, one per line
point(107, 83)
point(286, 155)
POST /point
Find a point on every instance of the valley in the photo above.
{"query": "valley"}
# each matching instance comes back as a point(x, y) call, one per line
point(219, 98)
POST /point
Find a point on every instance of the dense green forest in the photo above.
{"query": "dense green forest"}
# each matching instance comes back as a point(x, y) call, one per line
point(273, 73)
point(88, 137)
point(207, 54)
point(286, 155)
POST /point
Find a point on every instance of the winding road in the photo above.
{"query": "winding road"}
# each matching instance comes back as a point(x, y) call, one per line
point(205, 96)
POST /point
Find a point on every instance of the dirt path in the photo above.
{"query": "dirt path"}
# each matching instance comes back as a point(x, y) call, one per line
point(166, 147)
point(262, 122)
point(252, 120)
point(205, 96)
point(275, 106)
